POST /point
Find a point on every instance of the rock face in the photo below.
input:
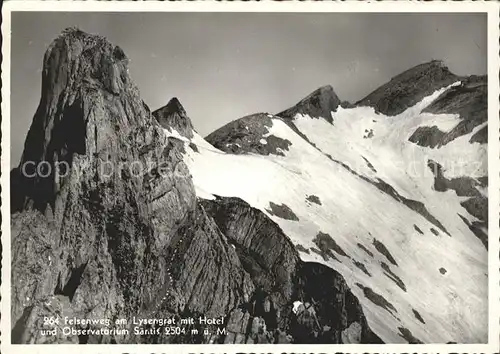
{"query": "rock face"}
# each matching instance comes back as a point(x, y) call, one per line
point(281, 279)
point(320, 103)
point(469, 102)
point(409, 87)
point(33, 317)
point(106, 225)
point(95, 232)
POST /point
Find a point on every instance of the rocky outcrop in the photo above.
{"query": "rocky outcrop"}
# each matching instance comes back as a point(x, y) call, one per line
point(463, 186)
point(476, 204)
point(173, 116)
point(427, 136)
point(295, 301)
point(409, 88)
point(469, 101)
point(249, 134)
point(106, 225)
point(321, 103)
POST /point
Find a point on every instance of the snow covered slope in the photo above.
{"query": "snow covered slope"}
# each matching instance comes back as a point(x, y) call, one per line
point(352, 192)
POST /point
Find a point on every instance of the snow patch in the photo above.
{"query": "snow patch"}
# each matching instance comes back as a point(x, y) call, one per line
point(175, 134)
point(444, 122)
point(296, 306)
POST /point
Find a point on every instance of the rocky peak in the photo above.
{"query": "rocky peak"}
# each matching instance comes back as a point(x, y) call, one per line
point(173, 116)
point(319, 103)
point(409, 87)
point(82, 75)
point(174, 105)
point(96, 231)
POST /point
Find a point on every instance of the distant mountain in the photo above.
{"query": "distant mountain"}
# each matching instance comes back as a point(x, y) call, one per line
point(325, 223)
point(409, 88)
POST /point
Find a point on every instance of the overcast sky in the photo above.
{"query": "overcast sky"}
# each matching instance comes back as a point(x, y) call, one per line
point(227, 65)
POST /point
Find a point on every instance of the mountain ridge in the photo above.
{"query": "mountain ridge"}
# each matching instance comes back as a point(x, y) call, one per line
point(352, 151)
point(400, 93)
point(409, 87)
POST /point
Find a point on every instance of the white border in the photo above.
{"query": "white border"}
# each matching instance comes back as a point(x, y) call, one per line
point(491, 8)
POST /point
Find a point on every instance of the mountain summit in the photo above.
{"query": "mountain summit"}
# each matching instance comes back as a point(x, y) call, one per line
point(82, 74)
point(173, 116)
point(319, 103)
point(409, 87)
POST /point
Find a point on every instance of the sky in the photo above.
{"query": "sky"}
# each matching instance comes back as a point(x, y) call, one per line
point(222, 66)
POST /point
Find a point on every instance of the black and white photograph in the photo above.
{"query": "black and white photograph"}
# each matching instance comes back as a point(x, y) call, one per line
point(218, 178)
